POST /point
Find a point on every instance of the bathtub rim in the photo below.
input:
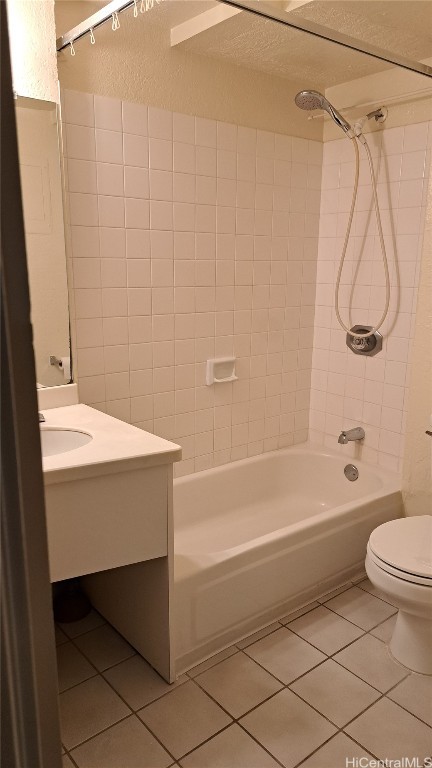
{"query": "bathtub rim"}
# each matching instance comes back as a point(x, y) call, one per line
point(391, 485)
point(392, 478)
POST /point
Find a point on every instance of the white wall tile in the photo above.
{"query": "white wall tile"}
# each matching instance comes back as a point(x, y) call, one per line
point(134, 118)
point(220, 235)
point(108, 113)
point(136, 150)
point(109, 147)
point(81, 176)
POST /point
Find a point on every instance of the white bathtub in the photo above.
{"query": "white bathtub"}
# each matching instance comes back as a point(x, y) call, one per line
point(259, 537)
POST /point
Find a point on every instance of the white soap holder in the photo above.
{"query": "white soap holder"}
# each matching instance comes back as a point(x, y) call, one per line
point(219, 370)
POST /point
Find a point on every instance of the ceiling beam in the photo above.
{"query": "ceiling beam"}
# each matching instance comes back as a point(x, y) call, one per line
point(211, 18)
point(201, 23)
point(293, 5)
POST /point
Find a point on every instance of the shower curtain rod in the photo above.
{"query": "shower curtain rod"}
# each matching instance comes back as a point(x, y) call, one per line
point(257, 7)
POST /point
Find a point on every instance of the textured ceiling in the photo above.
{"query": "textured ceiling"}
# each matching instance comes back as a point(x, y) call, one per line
point(401, 26)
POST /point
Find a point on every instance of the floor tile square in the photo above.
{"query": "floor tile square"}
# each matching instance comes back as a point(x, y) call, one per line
point(215, 659)
point(87, 709)
point(335, 692)
point(104, 647)
point(138, 683)
point(299, 612)
point(335, 753)
point(285, 655)
point(60, 636)
point(415, 694)
point(72, 667)
point(126, 745)
point(369, 659)
point(384, 631)
point(258, 635)
point(74, 628)
point(388, 731)
point(184, 718)
point(67, 762)
point(325, 630)
point(234, 748)
point(288, 728)
point(238, 684)
point(369, 587)
point(364, 610)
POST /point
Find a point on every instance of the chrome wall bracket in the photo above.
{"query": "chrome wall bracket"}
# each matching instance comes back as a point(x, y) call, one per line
point(370, 345)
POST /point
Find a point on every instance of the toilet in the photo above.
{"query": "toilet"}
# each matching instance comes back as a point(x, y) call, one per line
point(399, 564)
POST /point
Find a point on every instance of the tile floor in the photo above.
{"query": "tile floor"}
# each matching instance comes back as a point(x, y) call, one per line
point(312, 689)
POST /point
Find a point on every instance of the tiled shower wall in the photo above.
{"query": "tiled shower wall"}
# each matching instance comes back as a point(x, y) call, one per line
point(347, 389)
point(192, 239)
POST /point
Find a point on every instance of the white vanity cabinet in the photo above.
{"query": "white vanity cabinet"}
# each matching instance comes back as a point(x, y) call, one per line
point(109, 519)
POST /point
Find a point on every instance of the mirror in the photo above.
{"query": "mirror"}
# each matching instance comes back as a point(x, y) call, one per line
point(41, 188)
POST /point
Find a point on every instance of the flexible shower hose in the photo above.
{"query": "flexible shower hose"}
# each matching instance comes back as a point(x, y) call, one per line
point(347, 236)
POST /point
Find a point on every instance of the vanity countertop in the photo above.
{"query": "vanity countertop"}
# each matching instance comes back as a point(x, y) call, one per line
point(115, 447)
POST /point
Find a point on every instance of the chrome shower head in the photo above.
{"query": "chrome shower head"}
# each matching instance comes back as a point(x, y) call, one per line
point(310, 100)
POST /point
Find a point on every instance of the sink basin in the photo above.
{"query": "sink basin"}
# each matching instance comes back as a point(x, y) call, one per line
point(58, 440)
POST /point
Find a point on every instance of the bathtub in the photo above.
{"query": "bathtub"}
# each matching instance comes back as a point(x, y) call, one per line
point(260, 537)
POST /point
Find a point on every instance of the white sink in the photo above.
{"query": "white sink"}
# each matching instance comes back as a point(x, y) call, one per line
point(56, 440)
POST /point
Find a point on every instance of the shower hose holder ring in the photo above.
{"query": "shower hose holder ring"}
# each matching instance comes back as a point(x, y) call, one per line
point(369, 345)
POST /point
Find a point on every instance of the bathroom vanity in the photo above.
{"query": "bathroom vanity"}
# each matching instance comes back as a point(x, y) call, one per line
point(108, 496)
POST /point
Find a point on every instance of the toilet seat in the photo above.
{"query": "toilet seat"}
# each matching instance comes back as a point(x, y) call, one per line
point(403, 548)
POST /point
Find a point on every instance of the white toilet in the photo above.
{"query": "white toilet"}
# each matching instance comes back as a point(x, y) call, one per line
point(399, 563)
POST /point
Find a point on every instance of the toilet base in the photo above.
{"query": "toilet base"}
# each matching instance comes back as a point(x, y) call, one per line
point(411, 643)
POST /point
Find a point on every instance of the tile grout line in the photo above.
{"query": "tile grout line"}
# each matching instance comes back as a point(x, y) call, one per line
point(132, 712)
point(284, 685)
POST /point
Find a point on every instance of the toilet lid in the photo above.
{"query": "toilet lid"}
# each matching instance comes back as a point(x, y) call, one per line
point(406, 544)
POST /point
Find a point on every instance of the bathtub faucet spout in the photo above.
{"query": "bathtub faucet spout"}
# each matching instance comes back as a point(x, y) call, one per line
point(357, 433)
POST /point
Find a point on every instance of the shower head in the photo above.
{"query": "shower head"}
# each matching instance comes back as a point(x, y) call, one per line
point(310, 100)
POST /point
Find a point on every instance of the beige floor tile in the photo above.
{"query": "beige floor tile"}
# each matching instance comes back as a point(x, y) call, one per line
point(208, 663)
point(415, 694)
point(238, 684)
point(335, 753)
point(285, 655)
point(364, 610)
point(138, 683)
point(369, 659)
point(258, 635)
point(126, 745)
point(234, 748)
point(369, 587)
point(87, 709)
point(60, 636)
point(72, 667)
point(184, 718)
point(91, 621)
point(300, 612)
point(67, 762)
point(384, 631)
point(325, 629)
point(104, 647)
point(288, 728)
point(335, 692)
point(388, 731)
point(333, 592)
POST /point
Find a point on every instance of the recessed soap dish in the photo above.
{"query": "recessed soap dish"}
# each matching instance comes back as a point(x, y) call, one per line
point(219, 370)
